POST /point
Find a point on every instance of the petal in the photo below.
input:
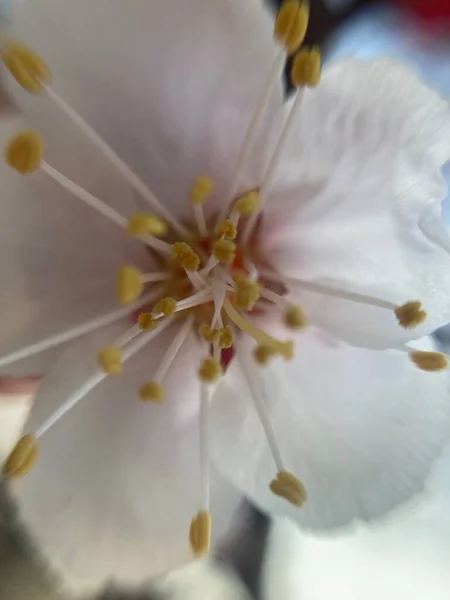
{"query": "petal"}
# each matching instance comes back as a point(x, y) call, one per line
point(360, 428)
point(362, 171)
point(58, 260)
point(117, 483)
point(170, 85)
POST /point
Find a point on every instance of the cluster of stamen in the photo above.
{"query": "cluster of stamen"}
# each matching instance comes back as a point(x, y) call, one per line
point(218, 282)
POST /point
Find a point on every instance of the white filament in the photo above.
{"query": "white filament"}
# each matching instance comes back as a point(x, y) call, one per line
point(173, 349)
point(205, 452)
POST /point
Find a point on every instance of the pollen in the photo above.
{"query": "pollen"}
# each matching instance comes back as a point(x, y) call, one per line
point(295, 318)
point(153, 391)
point(247, 203)
point(166, 306)
point(202, 189)
point(291, 24)
point(146, 224)
point(208, 334)
point(183, 254)
point(23, 457)
point(129, 284)
point(411, 314)
point(26, 66)
point(226, 338)
point(227, 229)
point(263, 354)
point(225, 251)
point(110, 360)
point(147, 322)
point(210, 370)
point(24, 152)
point(247, 293)
point(430, 361)
point(200, 533)
point(306, 68)
point(290, 488)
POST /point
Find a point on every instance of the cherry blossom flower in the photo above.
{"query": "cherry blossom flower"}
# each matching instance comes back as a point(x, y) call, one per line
point(273, 263)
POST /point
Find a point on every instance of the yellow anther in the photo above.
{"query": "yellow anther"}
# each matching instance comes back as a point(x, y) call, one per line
point(247, 293)
point(146, 224)
point(226, 337)
point(291, 24)
point(129, 284)
point(202, 189)
point(208, 334)
point(227, 229)
point(26, 66)
point(24, 152)
point(247, 203)
point(290, 488)
point(285, 349)
point(225, 251)
point(183, 254)
point(153, 391)
point(166, 306)
point(430, 361)
point(263, 354)
point(295, 318)
point(23, 457)
point(147, 321)
point(411, 314)
point(200, 533)
point(110, 360)
point(306, 68)
point(210, 370)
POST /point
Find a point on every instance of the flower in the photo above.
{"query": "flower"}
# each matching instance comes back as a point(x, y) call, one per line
point(302, 238)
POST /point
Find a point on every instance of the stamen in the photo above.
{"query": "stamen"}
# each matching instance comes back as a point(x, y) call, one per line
point(205, 399)
point(202, 189)
point(154, 390)
point(210, 370)
point(142, 224)
point(25, 151)
point(147, 322)
point(78, 331)
point(200, 533)
point(129, 284)
point(154, 277)
point(306, 68)
point(227, 229)
point(225, 251)
point(166, 306)
point(430, 361)
point(326, 290)
point(208, 334)
point(219, 293)
point(26, 66)
point(291, 24)
point(290, 488)
point(110, 360)
point(226, 338)
point(98, 205)
point(23, 457)
point(286, 349)
point(248, 203)
point(411, 314)
point(123, 168)
point(183, 254)
point(295, 318)
point(247, 293)
point(263, 354)
point(273, 78)
point(97, 378)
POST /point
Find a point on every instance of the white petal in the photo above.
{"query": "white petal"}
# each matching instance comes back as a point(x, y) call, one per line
point(362, 171)
point(58, 260)
point(170, 85)
point(360, 428)
point(117, 482)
